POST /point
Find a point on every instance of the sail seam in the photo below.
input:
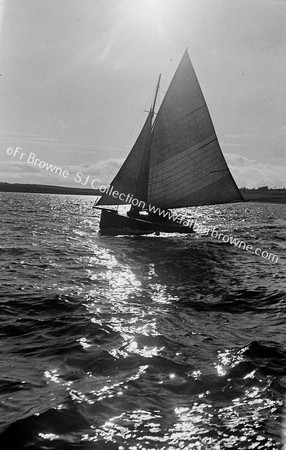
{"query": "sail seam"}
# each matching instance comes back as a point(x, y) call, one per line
point(179, 174)
point(169, 168)
point(181, 162)
point(195, 110)
point(186, 152)
point(196, 187)
point(208, 143)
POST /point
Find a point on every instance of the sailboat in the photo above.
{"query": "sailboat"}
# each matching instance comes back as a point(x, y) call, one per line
point(175, 162)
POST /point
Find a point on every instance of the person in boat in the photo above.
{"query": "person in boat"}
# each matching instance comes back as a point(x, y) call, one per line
point(156, 217)
point(134, 212)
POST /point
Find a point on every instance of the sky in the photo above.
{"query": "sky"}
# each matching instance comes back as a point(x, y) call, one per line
point(76, 77)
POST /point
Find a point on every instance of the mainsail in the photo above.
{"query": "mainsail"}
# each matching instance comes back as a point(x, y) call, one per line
point(177, 162)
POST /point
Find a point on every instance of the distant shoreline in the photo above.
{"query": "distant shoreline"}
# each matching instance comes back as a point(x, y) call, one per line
point(264, 195)
point(253, 195)
point(46, 189)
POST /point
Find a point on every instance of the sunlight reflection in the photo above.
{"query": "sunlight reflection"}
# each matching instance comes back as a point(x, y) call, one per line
point(189, 427)
point(108, 390)
point(115, 389)
point(49, 436)
point(250, 375)
point(79, 397)
point(160, 294)
point(52, 375)
point(116, 301)
point(84, 342)
point(227, 359)
point(220, 370)
point(132, 346)
point(133, 327)
point(196, 374)
point(120, 426)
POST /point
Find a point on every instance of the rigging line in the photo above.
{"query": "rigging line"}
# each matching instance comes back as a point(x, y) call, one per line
point(150, 98)
point(139, 118)
point(108, 176)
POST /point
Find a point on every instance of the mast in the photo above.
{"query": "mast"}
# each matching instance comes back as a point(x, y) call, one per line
point(133, 176)
point(156, 94)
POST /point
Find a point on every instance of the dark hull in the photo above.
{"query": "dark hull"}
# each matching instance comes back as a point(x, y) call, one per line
point(114, 224)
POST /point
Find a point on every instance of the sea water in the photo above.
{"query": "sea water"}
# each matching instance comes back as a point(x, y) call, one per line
point(156, 342)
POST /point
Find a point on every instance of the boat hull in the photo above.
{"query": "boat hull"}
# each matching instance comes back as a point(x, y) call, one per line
point(114, 224)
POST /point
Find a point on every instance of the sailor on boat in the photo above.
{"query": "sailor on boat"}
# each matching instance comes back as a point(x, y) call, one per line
point(157, 217)
point(134, 212)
